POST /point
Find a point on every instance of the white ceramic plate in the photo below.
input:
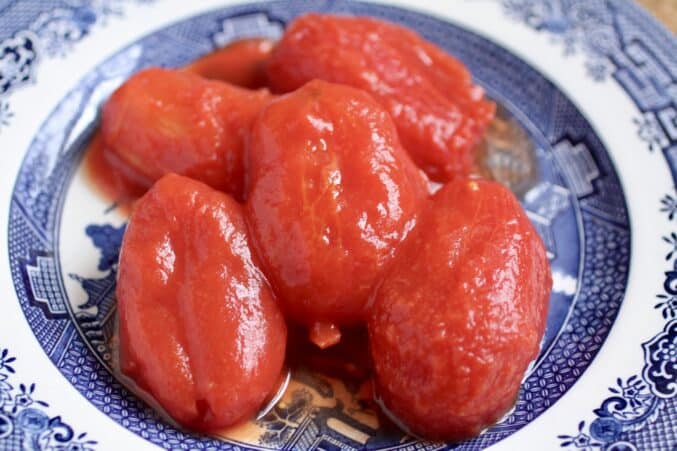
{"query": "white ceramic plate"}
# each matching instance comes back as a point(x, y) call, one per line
point(593, 82)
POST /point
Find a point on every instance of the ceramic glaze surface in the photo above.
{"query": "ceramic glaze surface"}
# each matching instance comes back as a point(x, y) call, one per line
point(63, 257)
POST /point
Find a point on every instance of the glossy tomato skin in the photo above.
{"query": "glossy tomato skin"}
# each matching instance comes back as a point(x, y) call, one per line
point(199, 326)
point(330, 195)
point(461, 315)
point(241, 63)
point(440, 114)
point(164, 121)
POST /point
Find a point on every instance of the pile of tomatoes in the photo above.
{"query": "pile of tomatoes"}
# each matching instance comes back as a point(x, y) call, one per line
point(290, 183)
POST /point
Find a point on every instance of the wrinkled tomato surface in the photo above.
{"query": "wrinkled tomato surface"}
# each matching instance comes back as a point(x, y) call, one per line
point(336, 230)
point(440, 114)
point(162, 121)
point(461, 315)
point(330, 195)
point(199, 326)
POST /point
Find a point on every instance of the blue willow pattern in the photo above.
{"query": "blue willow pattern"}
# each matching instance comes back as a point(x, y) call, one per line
point(636, 414)
point(607, 33)
point(52, 33)
point(24, 422)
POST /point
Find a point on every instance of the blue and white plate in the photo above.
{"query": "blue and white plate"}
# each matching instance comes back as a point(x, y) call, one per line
point(594, 83)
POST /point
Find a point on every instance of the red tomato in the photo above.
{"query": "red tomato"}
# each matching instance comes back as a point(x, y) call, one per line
point(199, 327)
point(331, 193)
point(439, 113)
point(240, 63)
point(161, 121)
point(462, 313)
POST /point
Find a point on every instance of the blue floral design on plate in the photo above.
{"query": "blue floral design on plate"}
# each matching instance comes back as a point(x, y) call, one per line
point(578, 195)
point(51, 33)
point(660, 370)
point(577, 177)
point(620, 37)
point(669, 206)
point(24, 423)
point(607, 31)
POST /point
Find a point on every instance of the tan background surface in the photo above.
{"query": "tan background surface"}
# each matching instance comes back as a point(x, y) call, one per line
point(665, 10)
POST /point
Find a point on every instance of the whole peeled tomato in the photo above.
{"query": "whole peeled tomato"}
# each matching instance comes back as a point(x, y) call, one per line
point(330, 195)
point(164, 121)
point(241, 63)
point(462, 313)
point(199, 326)
point(439, 113)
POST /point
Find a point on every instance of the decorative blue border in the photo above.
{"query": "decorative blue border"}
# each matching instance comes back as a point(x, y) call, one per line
point(24, 423)
point(583, 165)
point(620, 40)
point(52, 31)
point(642, 80)
point(623, 42)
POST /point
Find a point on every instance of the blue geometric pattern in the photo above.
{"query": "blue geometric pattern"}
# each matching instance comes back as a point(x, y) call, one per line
point(577, 165)
point(247, 26)
point(577, 178)
point(603, 223)
point(660, 369)
point(544, 203)
point(620, 40)
point(24, 423)
point(43, 28)
point(44, 284)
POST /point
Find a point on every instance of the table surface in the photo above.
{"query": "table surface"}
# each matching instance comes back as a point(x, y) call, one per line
point(665, 10)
